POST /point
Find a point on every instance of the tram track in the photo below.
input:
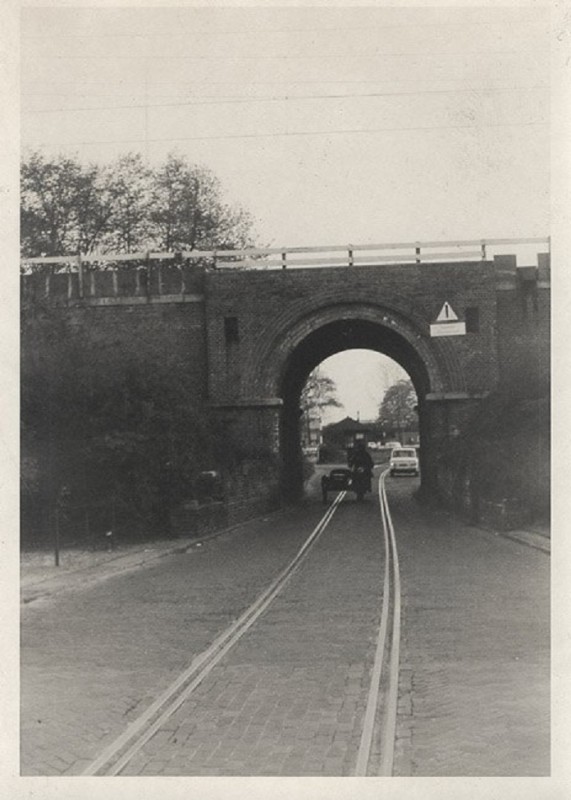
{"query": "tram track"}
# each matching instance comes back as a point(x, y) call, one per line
point(120, 752)
point(381, 710)
point(301, 693)
point(379, 723)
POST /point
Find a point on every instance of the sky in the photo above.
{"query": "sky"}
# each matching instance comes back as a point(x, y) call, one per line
point(361, 377)
point(330, 125)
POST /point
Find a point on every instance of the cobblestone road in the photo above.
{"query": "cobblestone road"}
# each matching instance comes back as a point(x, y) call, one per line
point(288, 700)
point(475, 668)
point(93, 659)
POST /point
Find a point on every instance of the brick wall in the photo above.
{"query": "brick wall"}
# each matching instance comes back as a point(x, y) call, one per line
point(266, 330)
point(171, 335)
point(243, 335)
point(523, 324)
point(274, 311)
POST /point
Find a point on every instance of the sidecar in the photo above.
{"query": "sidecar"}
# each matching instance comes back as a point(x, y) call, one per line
point(338, 480)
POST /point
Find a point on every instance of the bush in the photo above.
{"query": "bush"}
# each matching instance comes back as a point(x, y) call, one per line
point(107, 430)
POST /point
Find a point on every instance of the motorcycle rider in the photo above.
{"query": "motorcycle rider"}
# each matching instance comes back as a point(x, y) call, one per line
point(361, 458)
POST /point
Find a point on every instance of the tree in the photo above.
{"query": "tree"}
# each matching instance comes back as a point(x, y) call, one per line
point(94, 210)
point(68, 207)
point(128, 186)
point(188, 211)
point(318, 393)
point(398, 408)
point(59, 208)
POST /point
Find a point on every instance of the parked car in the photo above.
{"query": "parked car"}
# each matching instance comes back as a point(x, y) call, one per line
point(404, 461)
point(391, 445)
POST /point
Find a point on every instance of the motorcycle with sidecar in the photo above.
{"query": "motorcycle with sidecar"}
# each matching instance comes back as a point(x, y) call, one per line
point(357, 480)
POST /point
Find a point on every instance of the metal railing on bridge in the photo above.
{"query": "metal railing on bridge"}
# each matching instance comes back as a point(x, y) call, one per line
point(301, 257)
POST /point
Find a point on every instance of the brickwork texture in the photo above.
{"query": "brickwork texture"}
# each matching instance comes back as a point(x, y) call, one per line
point(250, 338)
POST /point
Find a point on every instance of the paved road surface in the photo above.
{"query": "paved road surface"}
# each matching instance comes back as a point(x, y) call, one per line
point(475, 667)
point(288, 700)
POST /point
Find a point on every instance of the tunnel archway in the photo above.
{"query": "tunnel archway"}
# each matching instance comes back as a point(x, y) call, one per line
point(266, 331)
point(328, 339)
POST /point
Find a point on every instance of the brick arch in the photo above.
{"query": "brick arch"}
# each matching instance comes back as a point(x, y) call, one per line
point(268, 362)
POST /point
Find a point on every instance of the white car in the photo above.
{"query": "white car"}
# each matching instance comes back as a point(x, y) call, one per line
point(404, 461)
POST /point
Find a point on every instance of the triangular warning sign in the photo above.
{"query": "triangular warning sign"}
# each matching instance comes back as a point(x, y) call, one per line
point(446, 314)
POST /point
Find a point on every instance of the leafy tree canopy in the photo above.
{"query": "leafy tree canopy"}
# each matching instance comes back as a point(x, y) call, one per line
point(125, 206)
point(319, 392)
point(398, 408)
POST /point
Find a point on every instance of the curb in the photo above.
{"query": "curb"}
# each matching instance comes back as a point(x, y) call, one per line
point(529, 538)
point(538, 541)
point(89, 575)
point(92, 574)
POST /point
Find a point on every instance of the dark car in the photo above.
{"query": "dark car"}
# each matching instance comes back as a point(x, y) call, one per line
point(338, 480)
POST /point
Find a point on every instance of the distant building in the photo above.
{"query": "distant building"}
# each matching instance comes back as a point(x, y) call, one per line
point(346, 432)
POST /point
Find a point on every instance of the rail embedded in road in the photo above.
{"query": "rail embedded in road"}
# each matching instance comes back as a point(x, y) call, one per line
point(375, 756)
point(121, 751)
point(381, 712)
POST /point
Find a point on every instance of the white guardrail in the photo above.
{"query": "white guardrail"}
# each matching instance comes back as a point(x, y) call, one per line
point(300, 257)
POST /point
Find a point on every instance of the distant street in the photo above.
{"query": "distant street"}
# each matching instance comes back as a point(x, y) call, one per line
point(289, 697)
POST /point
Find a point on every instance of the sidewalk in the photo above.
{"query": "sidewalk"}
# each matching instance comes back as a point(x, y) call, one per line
point(538, 537)
point(40, 578)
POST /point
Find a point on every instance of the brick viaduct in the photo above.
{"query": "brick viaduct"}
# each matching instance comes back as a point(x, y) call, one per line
point(249, 338)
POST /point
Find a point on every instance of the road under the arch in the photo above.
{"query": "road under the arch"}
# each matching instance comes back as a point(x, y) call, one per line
point(329, 339)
